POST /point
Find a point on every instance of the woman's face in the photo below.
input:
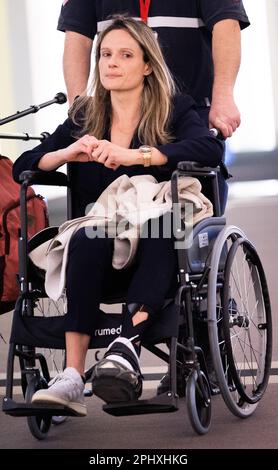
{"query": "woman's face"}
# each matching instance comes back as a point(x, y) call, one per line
point(121, 64)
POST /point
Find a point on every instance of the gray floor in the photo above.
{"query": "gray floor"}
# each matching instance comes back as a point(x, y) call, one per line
point(159, 431)
point(259, 219)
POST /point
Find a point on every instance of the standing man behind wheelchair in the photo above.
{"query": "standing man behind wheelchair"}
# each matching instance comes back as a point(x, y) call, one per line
point(103, 138)
point(200, 40)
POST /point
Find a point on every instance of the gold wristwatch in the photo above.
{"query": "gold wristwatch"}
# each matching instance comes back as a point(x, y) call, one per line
point(146, 152)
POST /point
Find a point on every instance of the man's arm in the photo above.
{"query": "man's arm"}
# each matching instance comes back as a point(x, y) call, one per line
point(76, 63)
point(226, 51)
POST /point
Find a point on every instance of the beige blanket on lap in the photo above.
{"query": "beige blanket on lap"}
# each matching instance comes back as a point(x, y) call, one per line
point(121, 211)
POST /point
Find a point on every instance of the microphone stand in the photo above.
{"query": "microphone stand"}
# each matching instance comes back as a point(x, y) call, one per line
point(25, 136)
point(59, 98)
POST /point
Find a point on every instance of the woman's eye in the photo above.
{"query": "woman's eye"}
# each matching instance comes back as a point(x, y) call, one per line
point(105, 54)
point(127, 55)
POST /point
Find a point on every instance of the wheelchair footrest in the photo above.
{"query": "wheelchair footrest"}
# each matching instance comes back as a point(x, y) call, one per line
point(164, 403)
point(12, 408)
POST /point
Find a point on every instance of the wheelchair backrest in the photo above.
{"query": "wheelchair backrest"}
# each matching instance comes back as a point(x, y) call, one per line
point(204, 236)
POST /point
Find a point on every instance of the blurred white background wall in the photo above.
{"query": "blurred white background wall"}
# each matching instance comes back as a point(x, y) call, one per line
point(46, 51)
point(31, 72)
point(255, 84)
point(31, 67)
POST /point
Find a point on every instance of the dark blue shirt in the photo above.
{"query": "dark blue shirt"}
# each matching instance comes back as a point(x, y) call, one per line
point(192, 141)
point(184, 30)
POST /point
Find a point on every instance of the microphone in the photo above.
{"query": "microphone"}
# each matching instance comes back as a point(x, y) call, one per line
point(60, 98)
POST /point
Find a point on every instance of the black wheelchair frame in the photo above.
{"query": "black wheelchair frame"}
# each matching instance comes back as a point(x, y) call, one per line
point(207, 294)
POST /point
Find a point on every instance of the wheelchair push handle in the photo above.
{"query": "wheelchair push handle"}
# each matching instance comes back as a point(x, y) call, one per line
point(217, 133)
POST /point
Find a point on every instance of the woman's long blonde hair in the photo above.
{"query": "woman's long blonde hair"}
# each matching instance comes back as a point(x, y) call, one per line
point(157, 92)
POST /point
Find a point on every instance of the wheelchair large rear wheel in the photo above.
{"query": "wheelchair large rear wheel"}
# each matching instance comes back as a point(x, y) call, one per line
point(239, 321)
point(56, 358)
point(46, 307)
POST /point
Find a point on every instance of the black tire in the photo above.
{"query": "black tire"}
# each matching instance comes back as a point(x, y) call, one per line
point(247, 330)
point(38, 425)
point(198, 401)
point(238, 305)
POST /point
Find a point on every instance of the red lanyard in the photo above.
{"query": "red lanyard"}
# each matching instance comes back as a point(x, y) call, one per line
point(144, 9)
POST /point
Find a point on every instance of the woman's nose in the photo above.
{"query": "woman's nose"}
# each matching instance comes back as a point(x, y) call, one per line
point(112, 62)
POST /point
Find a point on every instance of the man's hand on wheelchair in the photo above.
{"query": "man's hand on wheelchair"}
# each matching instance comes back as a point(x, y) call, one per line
point(224, 116)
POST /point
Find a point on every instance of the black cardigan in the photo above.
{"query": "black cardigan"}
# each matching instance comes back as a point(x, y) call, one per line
point(192, 142)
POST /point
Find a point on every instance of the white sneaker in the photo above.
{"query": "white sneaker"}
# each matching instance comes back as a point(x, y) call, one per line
point(65, 389)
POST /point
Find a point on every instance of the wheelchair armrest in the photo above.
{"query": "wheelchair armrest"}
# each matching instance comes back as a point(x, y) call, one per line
point(193, 167)
point(51, 178)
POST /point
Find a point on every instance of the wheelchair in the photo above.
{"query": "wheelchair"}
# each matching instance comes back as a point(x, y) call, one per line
point(222, 290)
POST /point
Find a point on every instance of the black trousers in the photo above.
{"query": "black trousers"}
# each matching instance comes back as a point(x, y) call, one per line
point(90, 276)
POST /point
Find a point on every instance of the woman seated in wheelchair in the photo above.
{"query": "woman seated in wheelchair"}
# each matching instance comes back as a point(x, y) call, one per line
point(133, 104)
